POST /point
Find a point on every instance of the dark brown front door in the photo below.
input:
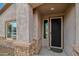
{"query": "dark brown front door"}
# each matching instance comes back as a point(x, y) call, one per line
point(55, 40)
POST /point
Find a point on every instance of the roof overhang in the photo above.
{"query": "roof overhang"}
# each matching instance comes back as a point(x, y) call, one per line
point(5, 7)
point(34, 5)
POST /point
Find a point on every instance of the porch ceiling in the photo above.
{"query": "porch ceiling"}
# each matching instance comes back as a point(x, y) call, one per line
point(52, 8)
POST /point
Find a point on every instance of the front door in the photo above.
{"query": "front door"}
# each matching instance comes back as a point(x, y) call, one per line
point(56, 32)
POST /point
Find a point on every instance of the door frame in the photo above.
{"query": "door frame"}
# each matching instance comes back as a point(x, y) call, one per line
point(62, 33)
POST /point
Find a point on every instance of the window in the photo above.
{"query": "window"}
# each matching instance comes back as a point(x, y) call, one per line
point(11, 29)
point(45, 28)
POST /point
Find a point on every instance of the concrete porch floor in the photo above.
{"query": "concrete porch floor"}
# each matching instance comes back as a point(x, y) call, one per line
point(47, 52)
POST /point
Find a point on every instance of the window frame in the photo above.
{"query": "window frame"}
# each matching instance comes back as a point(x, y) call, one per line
point(6, 36)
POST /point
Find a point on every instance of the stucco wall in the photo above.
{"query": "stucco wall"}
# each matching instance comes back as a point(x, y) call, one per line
point(37, 25)
point(69, 29)
point(77, 24)
point(25, 25)
point(8, 15)
point(23, 14)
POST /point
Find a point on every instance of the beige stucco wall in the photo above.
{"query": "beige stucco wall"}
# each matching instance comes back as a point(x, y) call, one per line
point(77, 23)
point(25, 23)
point(23, 14)
point(9, 14)
point(69, 30)
point(37, 25)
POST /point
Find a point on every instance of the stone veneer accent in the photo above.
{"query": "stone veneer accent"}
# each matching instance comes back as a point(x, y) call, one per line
point(22, 48)
point(30, 49)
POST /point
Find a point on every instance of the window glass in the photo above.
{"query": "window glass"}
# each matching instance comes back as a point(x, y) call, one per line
point(11, 29)
point(45, 28)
